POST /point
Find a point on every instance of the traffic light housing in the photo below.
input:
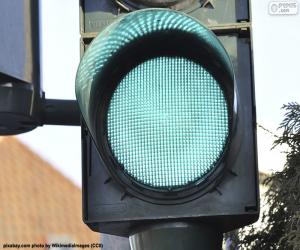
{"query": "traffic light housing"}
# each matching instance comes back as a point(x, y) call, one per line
point(168, 128)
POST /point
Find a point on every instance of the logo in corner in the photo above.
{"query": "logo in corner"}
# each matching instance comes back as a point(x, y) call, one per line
point(283, 8)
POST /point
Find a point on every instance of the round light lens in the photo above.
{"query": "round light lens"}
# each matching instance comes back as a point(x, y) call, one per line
point(168, 123)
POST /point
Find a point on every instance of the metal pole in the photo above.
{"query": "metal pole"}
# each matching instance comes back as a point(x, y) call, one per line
point(112, 242)
point(177, 235)
point(60, 112)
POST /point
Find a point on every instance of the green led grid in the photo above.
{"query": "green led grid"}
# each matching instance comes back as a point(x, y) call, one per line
point(167, 122)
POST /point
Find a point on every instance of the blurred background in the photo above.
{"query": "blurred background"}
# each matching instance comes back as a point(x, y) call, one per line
point(43, 191)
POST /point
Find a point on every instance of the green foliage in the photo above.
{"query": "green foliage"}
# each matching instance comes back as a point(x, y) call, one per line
point(281, 222)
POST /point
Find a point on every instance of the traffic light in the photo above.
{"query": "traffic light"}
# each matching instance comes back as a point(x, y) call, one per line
point(20, 91)
point(168, 120)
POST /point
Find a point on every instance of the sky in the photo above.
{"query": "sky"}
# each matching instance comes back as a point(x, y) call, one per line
point(276, 52)
point(60, 54)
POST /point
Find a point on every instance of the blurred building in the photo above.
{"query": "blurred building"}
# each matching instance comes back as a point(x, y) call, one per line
point(37, 203)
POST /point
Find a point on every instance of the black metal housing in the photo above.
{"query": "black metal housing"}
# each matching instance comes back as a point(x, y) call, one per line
point(95, 15)
point(20, 90)
point(230, 203)
point(233, 200)
point(23, 106)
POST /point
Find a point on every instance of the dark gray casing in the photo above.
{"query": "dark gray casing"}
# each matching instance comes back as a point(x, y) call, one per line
point(233, 203)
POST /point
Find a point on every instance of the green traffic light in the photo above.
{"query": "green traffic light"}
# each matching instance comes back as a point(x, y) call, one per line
point(155, 90)
point(168, 122)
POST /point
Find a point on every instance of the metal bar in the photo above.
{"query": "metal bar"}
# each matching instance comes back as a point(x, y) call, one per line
point(228, 28)
point(60, 112)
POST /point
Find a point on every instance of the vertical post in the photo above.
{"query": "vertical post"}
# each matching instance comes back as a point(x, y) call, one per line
point(177, 235)
point(112, 242)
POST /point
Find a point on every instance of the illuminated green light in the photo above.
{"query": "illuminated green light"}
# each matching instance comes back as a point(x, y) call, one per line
point(168, 119)
point(167, 122)
point(125, 31)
